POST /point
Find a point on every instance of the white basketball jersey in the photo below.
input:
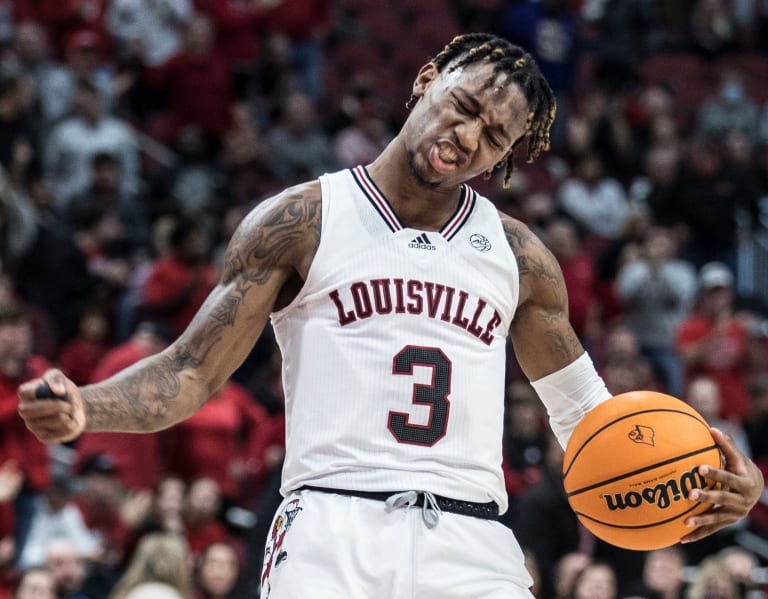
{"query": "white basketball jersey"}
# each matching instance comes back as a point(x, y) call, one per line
point(394, 349)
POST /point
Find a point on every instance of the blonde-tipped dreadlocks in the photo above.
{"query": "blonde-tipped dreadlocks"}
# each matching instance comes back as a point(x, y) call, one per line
point(519, 68)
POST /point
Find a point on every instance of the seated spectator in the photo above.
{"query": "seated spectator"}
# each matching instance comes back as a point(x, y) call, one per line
point(201, 515)
point(194, 68)
point(217, 572)
point(153, 590)
point(730, 109)
point(662, 575)
point(68, 567)
point(178, 283)
point(217, 441)
point(298, 147)
point(710, 204)
point(367, 135)
point(525, 436)
point(712, 341)
point(160, 558)
point(703, 395)
point(80, 355)
point(563, 237)
point(106, 188)
point(100, 499)
point(597, 202)
point(712, 580)
point(566, 571)
point(744, 566)
point(657, 290)
point(162, 511)
point(36, 583)
point(596, 581)
point(149, 32)
point(73, 143)
point(57, 520)
point(18, 446)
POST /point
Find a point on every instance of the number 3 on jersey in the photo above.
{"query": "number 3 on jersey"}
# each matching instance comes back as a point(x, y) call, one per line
point(434, 395)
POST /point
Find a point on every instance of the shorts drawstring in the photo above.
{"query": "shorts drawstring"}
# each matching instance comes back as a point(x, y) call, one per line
point(430, 511)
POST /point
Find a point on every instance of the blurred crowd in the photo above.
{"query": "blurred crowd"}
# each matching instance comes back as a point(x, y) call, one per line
point(136, 134)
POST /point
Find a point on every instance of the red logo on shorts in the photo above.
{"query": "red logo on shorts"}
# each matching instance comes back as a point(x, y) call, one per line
point(274, 554)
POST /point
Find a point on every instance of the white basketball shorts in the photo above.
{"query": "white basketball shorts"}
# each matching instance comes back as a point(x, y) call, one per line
point(331, 546)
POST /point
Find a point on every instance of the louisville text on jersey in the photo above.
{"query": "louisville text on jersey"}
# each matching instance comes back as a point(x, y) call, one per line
point(363, 299)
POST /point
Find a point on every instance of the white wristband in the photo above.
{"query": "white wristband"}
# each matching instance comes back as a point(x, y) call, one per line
point(569, 393)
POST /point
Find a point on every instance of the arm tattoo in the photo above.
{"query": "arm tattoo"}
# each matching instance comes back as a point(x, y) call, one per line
point(550, 302)
point(522, 243)
point(142, 397)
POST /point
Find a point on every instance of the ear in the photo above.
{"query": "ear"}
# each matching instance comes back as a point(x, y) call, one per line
point(424, 78)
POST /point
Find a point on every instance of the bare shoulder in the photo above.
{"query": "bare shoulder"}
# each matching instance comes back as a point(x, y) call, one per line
point(541, 280)
point(282, 232)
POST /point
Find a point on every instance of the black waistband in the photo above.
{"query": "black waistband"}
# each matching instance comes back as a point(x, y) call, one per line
point(486, 511)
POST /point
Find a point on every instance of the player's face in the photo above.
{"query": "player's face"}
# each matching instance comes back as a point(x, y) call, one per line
point(460, 127)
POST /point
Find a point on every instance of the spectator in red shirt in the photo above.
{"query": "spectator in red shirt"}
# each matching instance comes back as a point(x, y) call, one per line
point(579, 271)
point(198, 84)
point(136, 457)
point(215, 441)
point(201, 511)
point(713, 342)
point(81, 355)
point(305, 24)
point(16, 442)
point(179, 283)
point(239, 24)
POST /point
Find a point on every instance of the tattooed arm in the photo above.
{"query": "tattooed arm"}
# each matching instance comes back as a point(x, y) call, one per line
point(541, 333)
point(267, 258)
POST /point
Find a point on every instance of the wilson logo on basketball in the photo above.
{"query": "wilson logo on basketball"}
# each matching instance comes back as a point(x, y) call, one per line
point(642, 434)
point(662, 495)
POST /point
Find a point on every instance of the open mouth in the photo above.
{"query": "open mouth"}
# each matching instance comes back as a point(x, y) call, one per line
point(445, 157)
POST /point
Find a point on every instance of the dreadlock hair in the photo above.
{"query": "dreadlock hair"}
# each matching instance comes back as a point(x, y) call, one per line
point(518, 67)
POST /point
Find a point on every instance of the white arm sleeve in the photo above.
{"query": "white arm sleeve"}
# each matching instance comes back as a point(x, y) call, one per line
point(569, 393)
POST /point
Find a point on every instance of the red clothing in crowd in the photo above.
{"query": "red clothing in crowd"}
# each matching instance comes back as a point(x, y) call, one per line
point(204, 534)
point(80, 357)
point(300, 20)
point(61, 18)
point(726, 362)
point(580, 278)
point(16, 441)
point(200, 92)
point(238, 27)
point(218, 438)
point(137, 457)
point(179, 289)
point(8, 573)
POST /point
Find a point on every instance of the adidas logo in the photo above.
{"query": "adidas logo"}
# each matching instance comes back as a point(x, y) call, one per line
point(422, 242)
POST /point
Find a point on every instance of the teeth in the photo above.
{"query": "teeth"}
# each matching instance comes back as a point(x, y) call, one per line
point(446, 155)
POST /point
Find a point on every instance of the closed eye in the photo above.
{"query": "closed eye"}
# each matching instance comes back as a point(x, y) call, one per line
point(494, 142)
point(463, 108)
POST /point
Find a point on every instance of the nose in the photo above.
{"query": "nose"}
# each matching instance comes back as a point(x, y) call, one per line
point(468, 134)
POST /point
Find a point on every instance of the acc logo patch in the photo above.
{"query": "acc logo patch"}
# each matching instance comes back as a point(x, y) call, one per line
point(479, 242)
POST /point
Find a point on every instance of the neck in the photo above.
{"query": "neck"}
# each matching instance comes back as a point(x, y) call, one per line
point(418, 204)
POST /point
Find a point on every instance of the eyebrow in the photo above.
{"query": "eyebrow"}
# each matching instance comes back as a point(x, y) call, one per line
point(475, 106)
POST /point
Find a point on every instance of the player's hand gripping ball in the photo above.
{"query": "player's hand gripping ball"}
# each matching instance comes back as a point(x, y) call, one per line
point(630, 464)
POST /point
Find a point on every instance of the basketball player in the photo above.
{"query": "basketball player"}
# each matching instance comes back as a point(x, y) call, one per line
point(392, 288)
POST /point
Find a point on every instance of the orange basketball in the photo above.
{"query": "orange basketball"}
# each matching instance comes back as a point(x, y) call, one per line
point(630, 464)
